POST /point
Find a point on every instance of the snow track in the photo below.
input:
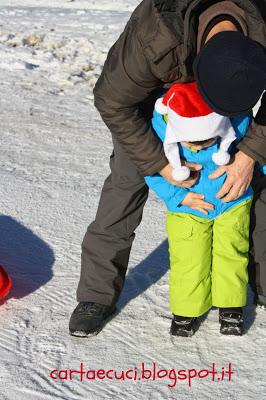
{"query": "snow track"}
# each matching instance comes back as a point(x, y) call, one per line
point(54, 158)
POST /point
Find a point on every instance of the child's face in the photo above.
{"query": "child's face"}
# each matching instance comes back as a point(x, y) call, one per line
point(199, 146)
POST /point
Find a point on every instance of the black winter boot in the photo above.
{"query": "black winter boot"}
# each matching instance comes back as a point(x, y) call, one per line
point(261, 301)
point(183, 326)
point(231, 320)
point(89, 318)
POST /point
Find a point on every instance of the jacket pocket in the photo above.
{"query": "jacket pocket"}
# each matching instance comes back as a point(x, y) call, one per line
point(167, 69)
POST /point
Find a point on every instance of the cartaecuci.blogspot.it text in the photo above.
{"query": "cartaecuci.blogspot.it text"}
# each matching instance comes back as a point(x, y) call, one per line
point(145, 373)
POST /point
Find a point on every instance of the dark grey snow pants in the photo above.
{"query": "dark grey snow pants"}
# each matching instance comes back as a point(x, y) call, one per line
point(107, 243)
point(257, 265)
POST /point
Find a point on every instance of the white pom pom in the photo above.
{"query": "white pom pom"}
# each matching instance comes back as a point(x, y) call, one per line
point(221, 157)
point(160, 107)
point(181, 174)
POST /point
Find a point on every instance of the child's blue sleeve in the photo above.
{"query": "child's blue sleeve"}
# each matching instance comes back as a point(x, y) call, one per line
point(170, 194)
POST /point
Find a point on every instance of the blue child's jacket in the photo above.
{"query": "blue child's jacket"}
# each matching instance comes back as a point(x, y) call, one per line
point(173, 195)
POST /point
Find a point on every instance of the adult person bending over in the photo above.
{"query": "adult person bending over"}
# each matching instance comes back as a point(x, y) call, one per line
point(221, 45)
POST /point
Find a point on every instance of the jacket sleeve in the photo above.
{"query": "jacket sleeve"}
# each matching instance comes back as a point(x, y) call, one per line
point(170, 194)
point(254, 143)
point(125, 82)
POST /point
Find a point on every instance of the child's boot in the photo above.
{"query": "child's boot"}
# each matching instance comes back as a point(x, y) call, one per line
point(183, 326)
point(231, 320)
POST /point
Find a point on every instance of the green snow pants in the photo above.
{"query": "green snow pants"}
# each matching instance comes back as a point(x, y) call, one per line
point(208, 260)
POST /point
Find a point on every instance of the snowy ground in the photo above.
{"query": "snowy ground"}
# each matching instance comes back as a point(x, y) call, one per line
point(54, 159)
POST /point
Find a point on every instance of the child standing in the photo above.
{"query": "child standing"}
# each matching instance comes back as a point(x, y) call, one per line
point(208, 239)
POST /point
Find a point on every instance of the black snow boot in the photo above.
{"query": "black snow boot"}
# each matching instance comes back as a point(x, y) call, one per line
point(231, 320)
point(89, 318)
point(183, 326)
point(261, 301)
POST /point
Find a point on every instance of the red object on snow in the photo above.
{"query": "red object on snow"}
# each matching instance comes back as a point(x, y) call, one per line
point(5, 282)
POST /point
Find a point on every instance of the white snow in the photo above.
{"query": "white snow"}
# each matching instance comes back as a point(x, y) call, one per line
point(54, 158)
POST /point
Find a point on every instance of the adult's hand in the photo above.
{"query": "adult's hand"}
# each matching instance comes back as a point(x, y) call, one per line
point(166, 172)
point(239, 176)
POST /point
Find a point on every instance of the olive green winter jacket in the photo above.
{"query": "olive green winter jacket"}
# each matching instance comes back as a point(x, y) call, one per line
point(156, 49)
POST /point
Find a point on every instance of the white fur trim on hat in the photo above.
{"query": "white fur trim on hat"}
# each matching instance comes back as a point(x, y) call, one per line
point(160, 107)
point(194, 129)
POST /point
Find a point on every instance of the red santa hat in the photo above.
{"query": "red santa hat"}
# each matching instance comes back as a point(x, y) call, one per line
point(190, 119)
